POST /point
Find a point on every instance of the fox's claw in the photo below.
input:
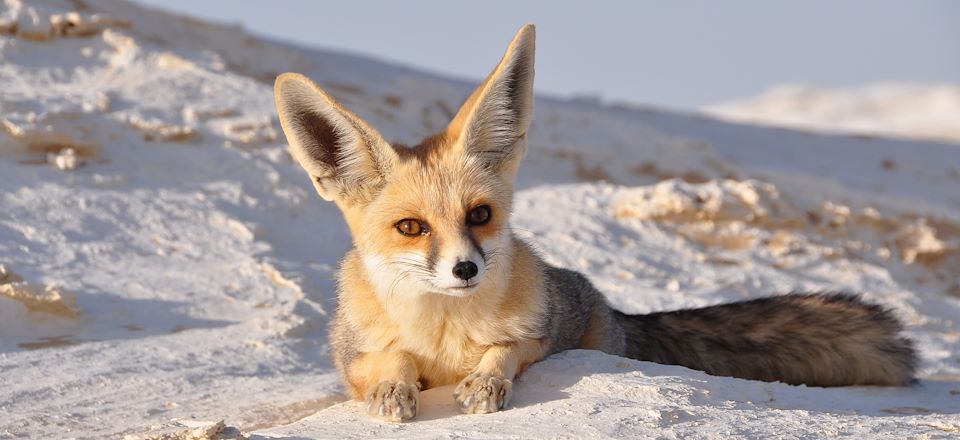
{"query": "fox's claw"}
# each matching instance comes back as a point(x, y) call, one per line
point(483, 393)
point(393, 401)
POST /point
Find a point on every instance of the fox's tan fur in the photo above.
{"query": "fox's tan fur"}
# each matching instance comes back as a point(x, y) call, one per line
point(404, 322)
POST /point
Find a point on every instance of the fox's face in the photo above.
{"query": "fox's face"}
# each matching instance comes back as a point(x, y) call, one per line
point(438, 227)
point(432, 219)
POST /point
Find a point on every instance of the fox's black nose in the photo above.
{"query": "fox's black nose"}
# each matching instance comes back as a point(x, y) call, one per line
point(465, 270)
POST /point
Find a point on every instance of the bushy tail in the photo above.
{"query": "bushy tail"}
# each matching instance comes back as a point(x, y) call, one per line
point(813, 339)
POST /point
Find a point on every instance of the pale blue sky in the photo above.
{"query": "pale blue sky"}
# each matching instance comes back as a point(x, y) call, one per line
point(675, 54)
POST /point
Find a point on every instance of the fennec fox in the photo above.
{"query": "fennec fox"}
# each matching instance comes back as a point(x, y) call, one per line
point(437, 290)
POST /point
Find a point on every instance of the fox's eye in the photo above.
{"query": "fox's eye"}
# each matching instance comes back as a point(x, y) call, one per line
point(478, 216)
point(410, 227)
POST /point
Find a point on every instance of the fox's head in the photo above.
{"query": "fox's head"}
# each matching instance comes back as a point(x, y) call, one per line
point(431, 218)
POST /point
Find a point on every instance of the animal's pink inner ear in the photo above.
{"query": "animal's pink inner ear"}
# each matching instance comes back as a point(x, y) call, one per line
point(322, 139)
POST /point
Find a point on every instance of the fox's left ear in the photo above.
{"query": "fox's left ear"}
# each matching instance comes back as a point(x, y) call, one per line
point(492, 124)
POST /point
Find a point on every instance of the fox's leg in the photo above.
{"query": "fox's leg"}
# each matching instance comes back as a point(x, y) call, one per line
point(488, 388)
point(387, 381)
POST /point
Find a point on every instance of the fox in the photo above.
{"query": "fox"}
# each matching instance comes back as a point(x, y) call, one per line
point(438, 290)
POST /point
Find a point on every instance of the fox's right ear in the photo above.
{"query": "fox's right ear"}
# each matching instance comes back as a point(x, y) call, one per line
point(347, 159)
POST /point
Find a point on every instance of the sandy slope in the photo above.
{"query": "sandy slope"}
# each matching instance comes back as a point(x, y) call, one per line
point(163, 258)
point(921, 111)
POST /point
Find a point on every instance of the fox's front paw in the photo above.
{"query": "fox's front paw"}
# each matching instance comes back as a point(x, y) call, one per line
point(393, 401)
point(483, 393)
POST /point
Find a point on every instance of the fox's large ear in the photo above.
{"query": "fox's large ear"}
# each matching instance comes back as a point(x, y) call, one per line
point(492, 124)
point(347, 159)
